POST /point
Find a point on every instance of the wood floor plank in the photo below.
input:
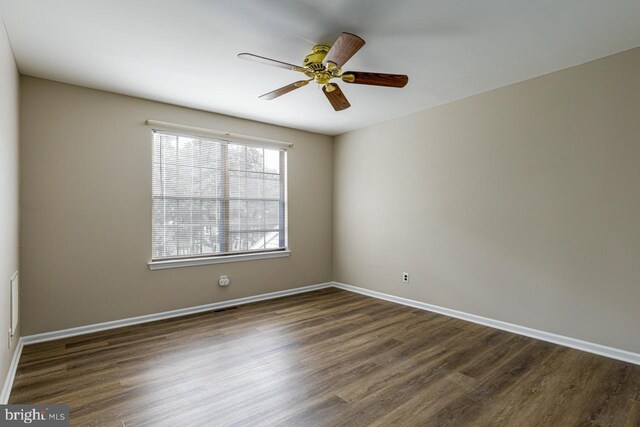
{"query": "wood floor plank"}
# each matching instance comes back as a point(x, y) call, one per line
point(324, 358)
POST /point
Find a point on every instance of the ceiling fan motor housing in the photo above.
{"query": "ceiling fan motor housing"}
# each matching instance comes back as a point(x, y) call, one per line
point(316, 56)
point(317, 70)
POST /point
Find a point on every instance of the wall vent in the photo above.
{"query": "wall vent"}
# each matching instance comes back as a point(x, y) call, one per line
point(15, 303)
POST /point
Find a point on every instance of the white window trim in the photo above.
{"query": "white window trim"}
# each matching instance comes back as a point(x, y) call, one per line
point(191, 131)
point(190, 262)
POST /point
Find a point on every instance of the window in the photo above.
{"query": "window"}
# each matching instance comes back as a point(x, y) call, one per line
point(213, 198)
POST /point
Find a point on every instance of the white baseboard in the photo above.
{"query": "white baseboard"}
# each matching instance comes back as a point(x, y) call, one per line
point(602, 350)
point(11, 374)
point(88, 329)
point(614, 353)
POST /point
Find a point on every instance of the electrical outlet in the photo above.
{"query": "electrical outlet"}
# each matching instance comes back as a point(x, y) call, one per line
point(405, 277)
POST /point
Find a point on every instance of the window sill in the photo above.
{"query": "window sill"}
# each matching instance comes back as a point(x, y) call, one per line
point(190, 262)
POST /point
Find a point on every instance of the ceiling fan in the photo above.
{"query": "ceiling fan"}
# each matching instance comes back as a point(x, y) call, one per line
point(323, 64)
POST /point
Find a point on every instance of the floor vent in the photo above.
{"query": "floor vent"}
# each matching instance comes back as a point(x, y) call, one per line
point(225, 309)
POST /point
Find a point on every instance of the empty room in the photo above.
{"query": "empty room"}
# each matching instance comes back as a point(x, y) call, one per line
point(302, 213)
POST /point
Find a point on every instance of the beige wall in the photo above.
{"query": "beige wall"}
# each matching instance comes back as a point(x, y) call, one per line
point(9, 184)
point(86, 217)
point(521, 204)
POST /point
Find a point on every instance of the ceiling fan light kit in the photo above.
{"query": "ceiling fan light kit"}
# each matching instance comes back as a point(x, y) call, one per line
point(324, 64)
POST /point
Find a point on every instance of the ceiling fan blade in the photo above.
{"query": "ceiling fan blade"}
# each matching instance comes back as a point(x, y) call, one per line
point(284, 90)
point(342, 50)
point(269, 61)
point(336, 97)
point(375, 79)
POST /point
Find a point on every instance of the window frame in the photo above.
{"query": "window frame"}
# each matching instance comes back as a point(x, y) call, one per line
point(234, 256)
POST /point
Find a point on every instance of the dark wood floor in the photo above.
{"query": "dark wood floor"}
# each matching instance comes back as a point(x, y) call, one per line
point(325, 358)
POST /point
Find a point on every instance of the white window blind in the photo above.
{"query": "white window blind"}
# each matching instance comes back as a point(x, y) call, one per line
point(214, 198)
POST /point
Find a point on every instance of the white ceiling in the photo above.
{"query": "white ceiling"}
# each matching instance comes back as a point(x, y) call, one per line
point(184, 51)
